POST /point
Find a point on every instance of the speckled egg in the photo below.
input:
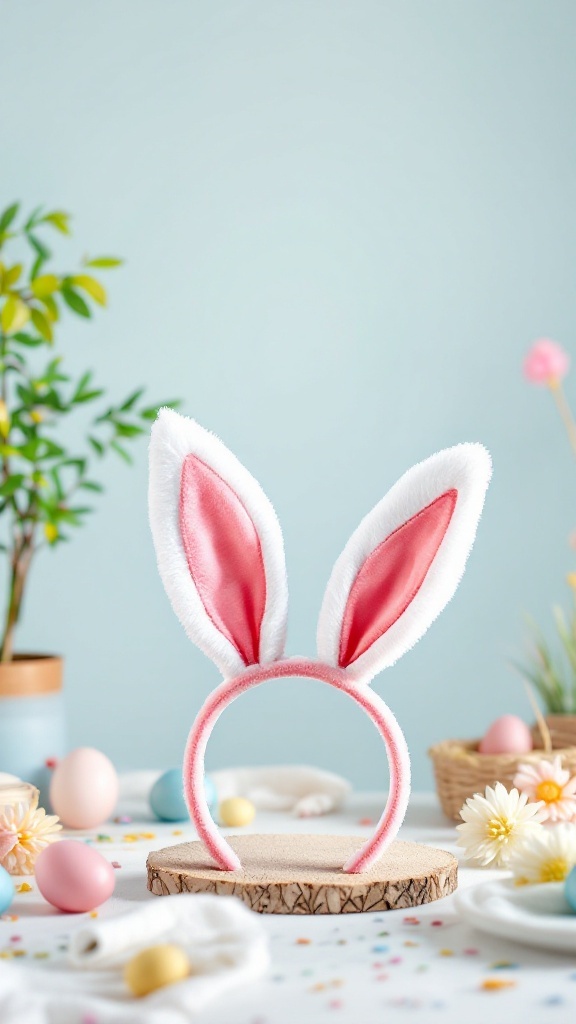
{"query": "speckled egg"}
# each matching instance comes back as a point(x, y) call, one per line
point(84, 788)
point(570, 890)
point(6, 890)
point(166, 798)
point(73, 876)
point(507, 735)
point(156, 967)
point(236, 811)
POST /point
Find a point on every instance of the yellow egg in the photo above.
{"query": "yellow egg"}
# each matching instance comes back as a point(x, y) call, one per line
point(156, 967)
point(236, 812)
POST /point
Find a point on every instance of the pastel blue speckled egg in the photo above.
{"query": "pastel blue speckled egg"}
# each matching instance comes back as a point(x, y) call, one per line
point(166, 797)
point(570, 889)
point(6, 890)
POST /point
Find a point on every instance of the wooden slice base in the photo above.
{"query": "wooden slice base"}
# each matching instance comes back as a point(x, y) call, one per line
point(302, 874)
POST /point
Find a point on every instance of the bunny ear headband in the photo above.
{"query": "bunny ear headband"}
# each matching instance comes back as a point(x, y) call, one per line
point(221, 558)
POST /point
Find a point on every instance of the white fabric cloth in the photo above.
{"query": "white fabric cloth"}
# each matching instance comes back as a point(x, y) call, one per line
point(225, 942)
point(299, 789)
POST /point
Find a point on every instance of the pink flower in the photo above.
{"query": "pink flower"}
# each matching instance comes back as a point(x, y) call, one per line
point(548, 782)
point(546, 362)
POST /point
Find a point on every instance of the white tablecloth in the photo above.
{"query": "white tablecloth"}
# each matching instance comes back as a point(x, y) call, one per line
point(424, 964)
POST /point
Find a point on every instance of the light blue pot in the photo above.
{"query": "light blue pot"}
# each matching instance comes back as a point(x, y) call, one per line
point(32, 725)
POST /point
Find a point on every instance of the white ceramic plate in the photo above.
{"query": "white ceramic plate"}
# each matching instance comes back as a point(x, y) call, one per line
point(535, 915)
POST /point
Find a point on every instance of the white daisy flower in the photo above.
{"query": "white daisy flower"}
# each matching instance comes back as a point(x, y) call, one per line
point(549, 782)
point(497, 824)
point(25, 829)
point(549, 857)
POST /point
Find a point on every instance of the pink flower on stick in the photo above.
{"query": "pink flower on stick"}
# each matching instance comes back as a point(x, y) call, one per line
point(546, 362)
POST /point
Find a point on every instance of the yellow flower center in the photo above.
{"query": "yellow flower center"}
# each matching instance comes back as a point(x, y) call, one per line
point(549, 791)
point(555, 870)
point(499, 828)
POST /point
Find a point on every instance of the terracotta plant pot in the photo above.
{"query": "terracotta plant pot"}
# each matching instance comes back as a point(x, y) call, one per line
point(562, 731)
point(31, 715)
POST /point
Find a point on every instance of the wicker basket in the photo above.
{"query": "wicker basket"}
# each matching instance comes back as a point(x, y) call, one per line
point(461, 771)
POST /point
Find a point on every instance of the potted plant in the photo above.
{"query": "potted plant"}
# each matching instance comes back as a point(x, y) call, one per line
point(553, 672)
point(46, 487)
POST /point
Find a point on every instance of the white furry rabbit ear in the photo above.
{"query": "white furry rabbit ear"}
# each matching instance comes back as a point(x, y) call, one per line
point(404, 562)
point(218, 544)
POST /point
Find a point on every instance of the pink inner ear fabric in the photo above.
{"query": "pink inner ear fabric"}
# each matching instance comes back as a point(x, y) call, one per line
point(224, 556)
point(391, 577)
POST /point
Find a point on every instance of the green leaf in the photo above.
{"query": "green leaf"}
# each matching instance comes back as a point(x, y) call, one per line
point(33, 218)
point(15, 314)
point(11, 485)
point(37, 267)
point(27, 339)
point(52, 311)
point(131, 400)
point(45, 285)
point(8, 216)
point(89, 396)
point(82, 384)
point(121, 452)
point(57, 484)
point(104, 262)
point(91, 286)
point(42, 324)
point(128, 430)
point(59, 219)
point(11, 275)
point(96, 445)
point(38, 246)
point(91, 485)
point(75, 301)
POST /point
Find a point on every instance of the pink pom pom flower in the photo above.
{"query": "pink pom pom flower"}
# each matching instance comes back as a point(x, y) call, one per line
point(546, 362)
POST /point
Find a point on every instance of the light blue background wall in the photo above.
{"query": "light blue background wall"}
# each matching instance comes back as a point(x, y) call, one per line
point(343, 225)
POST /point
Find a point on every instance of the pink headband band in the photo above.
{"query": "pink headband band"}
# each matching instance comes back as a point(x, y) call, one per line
point(221, 558)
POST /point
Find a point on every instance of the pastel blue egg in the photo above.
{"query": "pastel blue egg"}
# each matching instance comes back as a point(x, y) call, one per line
point(166, 797)
point(570, 889)
point(6, 890)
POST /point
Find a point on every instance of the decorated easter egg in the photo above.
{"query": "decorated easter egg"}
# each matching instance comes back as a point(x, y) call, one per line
point(507, 735)
point(73, 876)
point(6, 890)
point(166, 797)
point(156, 967)
point(570, 890)
point(236, 811)
point(84, 788)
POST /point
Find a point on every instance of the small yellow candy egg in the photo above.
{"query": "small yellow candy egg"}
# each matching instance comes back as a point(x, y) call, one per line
point(236, 811)
point(156, 967)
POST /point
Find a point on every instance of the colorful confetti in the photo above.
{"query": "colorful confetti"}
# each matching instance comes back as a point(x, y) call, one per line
point(303, 942)
point(115, 864)
point(496, 984)
point(24, 887)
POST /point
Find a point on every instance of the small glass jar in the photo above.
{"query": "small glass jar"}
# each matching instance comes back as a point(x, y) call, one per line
point(32, 724)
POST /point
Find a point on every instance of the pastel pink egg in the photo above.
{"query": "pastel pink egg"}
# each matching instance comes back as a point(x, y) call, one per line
point(73, 876)
point(84, 788)
point(507, 735)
